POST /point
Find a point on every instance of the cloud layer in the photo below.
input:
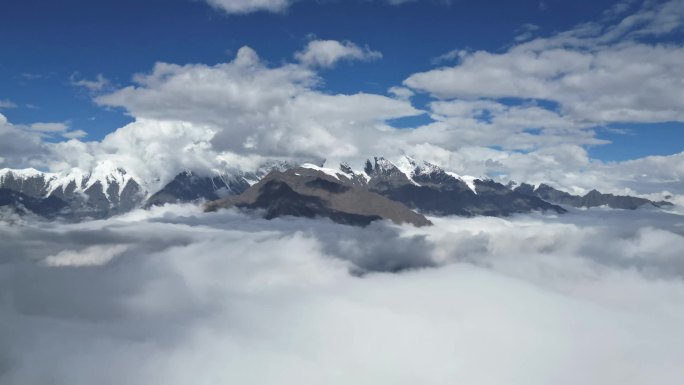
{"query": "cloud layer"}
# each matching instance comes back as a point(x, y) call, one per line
point(175, 296)
point(603, 72)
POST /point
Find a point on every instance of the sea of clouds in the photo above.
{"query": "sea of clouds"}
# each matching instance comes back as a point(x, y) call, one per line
point(177, 296)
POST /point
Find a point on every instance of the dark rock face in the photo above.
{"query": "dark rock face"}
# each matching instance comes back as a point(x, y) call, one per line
point(591, 199)
point(29, 185)
point(82, 196)
point(431, 190)
point(303, 192)
point(385, 176)
point(278, 199)
point(384, 190)
point(49, 207)
point(189, 187)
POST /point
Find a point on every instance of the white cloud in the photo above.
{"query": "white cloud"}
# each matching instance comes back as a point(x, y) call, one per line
point(449, 56)
point(247, 108)
point(75, 134)
point(49, 127)
point(92, 256)
point(99, 84)
point(401, 93)
point(595, 73)
point(326, 53)
point(6, 103)
point(273, 302)
point(526, 32)
point(249, 6)
point(239, 113)
point(56, 130)
point(20, 147)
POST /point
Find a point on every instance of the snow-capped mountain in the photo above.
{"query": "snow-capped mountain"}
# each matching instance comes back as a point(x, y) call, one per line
point(104, 191)
point(108, 190)
point(189, 186)
point(430, 189)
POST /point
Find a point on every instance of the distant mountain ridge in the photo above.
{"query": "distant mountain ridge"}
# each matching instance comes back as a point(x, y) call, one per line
point(109, 190)
point(311, 192)
point(430, 189)
point(106, 191)
point(189, 186)
point(593, 198)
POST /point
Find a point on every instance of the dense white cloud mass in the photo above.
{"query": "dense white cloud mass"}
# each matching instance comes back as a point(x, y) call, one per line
point(15, 144)
point(243, 108)
point(23, 146)
point(181, 297)
point(326, 53)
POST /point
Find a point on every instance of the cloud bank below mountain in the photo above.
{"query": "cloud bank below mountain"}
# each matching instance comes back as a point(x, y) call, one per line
point(184, 296)
point(528, 113)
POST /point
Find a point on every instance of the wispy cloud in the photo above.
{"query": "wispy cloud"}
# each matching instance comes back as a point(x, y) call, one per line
point(449, 56)
point(99, 84)
point(6, 104)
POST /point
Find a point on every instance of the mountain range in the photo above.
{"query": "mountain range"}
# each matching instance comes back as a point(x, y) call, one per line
point(402, 191)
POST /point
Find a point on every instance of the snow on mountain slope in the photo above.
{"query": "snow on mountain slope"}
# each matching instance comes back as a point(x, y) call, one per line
point(412, 168)
point(329, 171)
point(105, 173)
point(467, 179)
point(19, 173)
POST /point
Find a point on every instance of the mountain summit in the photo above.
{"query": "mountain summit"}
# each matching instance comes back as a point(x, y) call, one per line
point(315, 192)
point(359, 196)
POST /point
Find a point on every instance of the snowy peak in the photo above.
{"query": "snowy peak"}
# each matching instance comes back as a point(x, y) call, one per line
point(412, 168)
point(26, 173)
point(253, 177)
point(385, 174)
point(328, 171)
point(407, 170)
point(109, 175)
point(194, 186)
point(100, 192)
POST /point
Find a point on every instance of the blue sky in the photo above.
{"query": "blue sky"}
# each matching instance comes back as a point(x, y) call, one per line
point(47, 46)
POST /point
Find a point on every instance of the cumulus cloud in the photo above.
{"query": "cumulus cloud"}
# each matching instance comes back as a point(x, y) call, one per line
point(530, 113)
point(597, 73)
point(243, 107)
point(533, 124)
point(207, 298)
point(402, 93)
point(326, 53)
point(19, 147)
